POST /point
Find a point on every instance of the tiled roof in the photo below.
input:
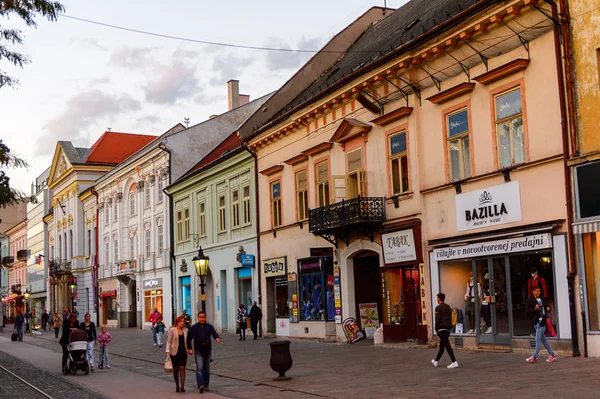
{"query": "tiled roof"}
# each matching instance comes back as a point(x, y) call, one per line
point(75, 155)
point(399, 29)
point(114, 147)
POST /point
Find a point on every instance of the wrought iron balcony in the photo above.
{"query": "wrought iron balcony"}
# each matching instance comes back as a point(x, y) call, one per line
point(8, 261)
point(333, 222)
point(16, 289)
point(22, 254)
point(125, 267)
point(59, 266)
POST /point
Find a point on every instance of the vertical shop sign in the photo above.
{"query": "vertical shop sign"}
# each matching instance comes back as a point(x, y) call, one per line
point(423, 296)
point(337, 295)
point(293, 297)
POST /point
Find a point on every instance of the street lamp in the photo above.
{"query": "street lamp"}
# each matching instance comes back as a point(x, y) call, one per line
point(73, 286)
point(26, 296)
point(3, 310)
point(201, 263)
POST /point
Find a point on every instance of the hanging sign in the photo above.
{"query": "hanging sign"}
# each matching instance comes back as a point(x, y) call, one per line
point(275, 267)
point(247, 260)
point(422, 294)
point(398, 246)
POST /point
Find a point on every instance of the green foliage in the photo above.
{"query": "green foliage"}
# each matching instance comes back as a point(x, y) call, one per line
point(10, 196)
point(26, 10)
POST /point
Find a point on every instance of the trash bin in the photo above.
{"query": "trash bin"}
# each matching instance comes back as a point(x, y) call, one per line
point(281, 359)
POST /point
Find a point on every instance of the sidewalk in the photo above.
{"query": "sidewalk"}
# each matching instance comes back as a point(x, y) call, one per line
point(336, 370)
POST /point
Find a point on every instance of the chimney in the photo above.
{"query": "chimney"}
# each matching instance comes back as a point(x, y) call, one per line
point(244, 99)
point(233, 93)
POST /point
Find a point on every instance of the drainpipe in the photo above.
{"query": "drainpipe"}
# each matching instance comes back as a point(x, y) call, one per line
point(95, 266)
point(257, 213)
point(163, 147)
point(571, 276)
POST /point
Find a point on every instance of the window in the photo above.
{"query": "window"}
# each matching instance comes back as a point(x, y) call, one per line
point(186, 224)
point(509, 128)
point(106, 252)
point(116, 248)
point(131, 248)
point(398, 158)
point(302, 195)
point(60, 252)
point(355, 184)
point(179, 226)
point(322, 177)
point(89, 243)
point(132, 201)
point(106, 215)
point(316, 289)
point(147, 195)
point(276, 204)
point(115, 211)
point(588, 190)
point(235, 208)
point(70, 244)
point(152, 299)
point(222, 226)
point(246, 204)
point(591, 249)
point(51, 252)
point(65, 243)
point(148, 238)
point(202, 219)
point(159, 191)
point(459, 156)
point(160, 240)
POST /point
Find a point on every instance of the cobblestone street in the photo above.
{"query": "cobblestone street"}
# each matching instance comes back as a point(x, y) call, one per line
point(335, 370)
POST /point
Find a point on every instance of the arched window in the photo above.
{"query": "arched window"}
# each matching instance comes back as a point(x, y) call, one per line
point(132, 200)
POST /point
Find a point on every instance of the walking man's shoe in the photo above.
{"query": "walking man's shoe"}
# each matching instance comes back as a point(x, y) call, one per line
point(531, 359)
point(551, 358)
point(453, 365)
point(434, 362)
point(201, 389)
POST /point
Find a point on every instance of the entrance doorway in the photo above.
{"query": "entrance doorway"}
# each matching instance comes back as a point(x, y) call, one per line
point(367, 285)
point(494, 315)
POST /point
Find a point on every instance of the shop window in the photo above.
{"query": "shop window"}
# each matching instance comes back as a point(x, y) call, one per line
point(202, 219)
point(186, 294)
point(235, 208)
point(179, 226)
point(461, 291)
point(222, 225)
point(152, 299)
point(302, 195)
point(398, 163)
point(276, 204)
point(281, 297)
point(591, 250)
point(322, 178)
point(246, 202)
point(459, 157)
point(588, 190)
point(111, 308)
point(509, 128)
point(316, 289)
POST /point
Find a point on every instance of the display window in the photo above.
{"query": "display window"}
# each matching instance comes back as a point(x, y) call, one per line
point(591, 250)
point(316, 289)
point(152, 299)
point(281, 297)
point(186, 294)
point(401, 305)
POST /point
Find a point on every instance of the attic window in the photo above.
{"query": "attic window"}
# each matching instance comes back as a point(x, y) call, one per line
point(410, 26)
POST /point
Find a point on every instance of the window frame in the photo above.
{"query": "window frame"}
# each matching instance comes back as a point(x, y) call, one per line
point(235, 209)
point(403, 129)
point(159, 187)
point(356, 178)
point(202, 218)
point(116, 247)
point(106, 215)
point(147, 196)
point(222, 222)
point(160, 236)
point(301, 193)
point(132, 248)
point(106, 251)
point(148, 237)
point(276, 203)
point(447, 113)
point(115, 210)
point(186, 224)
point(179, 225)
point(318, 182)
point(247, 206)
point(132, 197)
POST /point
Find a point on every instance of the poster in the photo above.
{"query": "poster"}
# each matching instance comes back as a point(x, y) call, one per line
point(337, 295)
point(293, 296)
point(369, 318)
point(351, 330)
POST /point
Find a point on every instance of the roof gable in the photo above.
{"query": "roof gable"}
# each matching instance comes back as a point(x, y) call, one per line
point(62, 161)
point(349, 129)
point(114, 147)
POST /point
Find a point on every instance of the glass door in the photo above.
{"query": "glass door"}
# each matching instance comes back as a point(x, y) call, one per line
point(494, 315)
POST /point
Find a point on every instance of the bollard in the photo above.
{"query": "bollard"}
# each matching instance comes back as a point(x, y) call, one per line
point(281, 359)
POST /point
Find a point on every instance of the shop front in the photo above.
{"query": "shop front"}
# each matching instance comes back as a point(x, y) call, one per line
point(275, 273)
point(404, 302)
point(153, 294)
point(107, 291)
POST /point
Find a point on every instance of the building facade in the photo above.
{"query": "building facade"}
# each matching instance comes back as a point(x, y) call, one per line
point(17, 267)
point(397, 178)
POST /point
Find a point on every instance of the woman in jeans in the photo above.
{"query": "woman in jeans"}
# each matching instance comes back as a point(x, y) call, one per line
point(90, 328)
point(241, 319)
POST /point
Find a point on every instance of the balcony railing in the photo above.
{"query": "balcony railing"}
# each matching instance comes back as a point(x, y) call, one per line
point(59, 266)
point(22, 254)
point(346, 213)
point(125, 267)
point(8, 260)
point(16, 288)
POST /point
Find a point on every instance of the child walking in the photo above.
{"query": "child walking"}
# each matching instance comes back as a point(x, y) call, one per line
point(103, 339)
point(160, 329)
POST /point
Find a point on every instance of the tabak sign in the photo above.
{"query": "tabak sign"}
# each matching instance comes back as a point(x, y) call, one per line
point(399, 246)
point(275, 267)
point(489, 207)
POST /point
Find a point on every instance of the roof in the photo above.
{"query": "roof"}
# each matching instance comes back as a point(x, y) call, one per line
point(75, 155)
point(403, 29)
point(114, 147)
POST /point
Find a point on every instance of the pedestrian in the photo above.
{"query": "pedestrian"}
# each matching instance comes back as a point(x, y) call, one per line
point(103, 340)
point(200, 333)
point(176, 343)
point(187, 319)
point(45, 317)
point(57, 323)
point(537, 306)
point(19, 322)
point(241, 320)
point(71, 324)
point(90, 329)
point(160, 329)
point(66, 314)
point(255, 316)
point(443, 324)
point(153, 318)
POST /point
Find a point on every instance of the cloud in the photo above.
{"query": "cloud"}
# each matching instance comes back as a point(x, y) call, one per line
point(277, 60)
point(146, 122)
point(227, 67)
point(170, 83)
point(133, 57)
point(89, 43)
point(83, 110)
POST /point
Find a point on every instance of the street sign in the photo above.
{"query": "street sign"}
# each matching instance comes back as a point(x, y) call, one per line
point(247, 260)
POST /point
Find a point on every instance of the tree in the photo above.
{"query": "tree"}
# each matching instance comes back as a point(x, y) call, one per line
point(10, 196)
point(26, 10)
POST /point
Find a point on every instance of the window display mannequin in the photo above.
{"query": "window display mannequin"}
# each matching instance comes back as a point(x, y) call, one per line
point(536, 281)
point(470, 302)
point(486, 313)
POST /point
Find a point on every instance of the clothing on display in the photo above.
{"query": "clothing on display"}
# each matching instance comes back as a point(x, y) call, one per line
point(470, 302)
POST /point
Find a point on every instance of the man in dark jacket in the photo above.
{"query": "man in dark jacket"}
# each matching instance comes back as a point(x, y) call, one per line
point(19, 322)
point(255, 316)
point(201, 334)
point(443, 324)
point(538, 308)
point(45, 317)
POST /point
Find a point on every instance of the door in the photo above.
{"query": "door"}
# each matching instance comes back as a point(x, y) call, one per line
point(411, 301)
point(494, 316)
point(367, 283)
point(224, 303)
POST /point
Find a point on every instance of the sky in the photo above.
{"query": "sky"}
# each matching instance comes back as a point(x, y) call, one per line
point(84, 78)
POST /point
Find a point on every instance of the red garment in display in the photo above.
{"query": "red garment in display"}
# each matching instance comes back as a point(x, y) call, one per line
point(537, 281)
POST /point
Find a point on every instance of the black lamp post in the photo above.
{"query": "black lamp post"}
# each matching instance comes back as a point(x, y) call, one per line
point(3, 310)
point(26, 296)
point(201, 263)
point(73, 286)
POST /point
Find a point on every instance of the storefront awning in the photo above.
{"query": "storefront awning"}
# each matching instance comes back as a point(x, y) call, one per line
point(108, 293)
point(589, 226)
point(500, 233)
point(12, 297)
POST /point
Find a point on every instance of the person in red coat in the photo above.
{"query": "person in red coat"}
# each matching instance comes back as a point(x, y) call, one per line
point(536, 281)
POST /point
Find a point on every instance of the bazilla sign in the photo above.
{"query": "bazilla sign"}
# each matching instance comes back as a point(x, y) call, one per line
point(489, 207)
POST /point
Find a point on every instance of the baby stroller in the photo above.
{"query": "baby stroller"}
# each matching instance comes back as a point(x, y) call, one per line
point(78, 358)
